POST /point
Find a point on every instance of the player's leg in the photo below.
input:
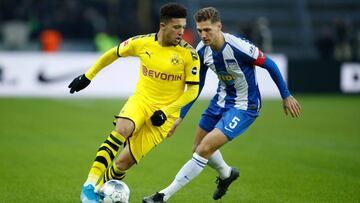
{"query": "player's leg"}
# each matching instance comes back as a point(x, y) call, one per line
point(206, 124)
point(199, 135)
point(216, 160)
point(128, 121)
point(141, 142)
point(104, 157)
point(109, 148)
point(190, 170)
point(210, 143)
point(118, 168)
point(233, 124)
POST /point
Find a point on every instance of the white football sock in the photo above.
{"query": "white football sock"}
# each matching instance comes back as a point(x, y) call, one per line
point(189, 171)
point(217, 162)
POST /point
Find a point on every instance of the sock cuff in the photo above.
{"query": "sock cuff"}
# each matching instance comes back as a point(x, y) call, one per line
point(117, 137)
point(117, 170)
point(201, 161)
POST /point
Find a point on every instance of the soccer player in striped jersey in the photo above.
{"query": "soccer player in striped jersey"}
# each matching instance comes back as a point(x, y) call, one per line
point(234, 107)
point(168, 66)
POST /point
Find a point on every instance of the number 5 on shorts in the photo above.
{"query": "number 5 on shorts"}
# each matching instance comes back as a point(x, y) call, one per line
point(234, 122)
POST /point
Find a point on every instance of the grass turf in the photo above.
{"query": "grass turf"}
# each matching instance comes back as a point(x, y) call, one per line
point(47, 146)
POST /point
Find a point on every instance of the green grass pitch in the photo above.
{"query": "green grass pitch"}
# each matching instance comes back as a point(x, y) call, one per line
point(47, 146)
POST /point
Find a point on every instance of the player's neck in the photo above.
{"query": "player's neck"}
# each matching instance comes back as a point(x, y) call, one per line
point(219, 43)
point(161, 39)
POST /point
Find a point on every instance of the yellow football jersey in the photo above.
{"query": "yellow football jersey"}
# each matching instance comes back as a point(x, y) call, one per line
point(164, 71)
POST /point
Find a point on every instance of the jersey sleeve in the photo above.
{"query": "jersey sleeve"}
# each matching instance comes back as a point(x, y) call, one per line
point(129, 47)
point(276, 76)
point(189, 95)
point(192, 67)
point(106, 59)
point(249, 52)
point(186, 108)
point(260, 58)
point(257, 57)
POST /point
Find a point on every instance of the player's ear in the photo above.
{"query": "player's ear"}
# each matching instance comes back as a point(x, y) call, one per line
point(219, 25)
point(162, 25)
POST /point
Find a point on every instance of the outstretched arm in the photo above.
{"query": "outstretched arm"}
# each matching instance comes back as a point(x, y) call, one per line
point(106, 59)
point(82, 81)
point(290, 104)
point(275, 74)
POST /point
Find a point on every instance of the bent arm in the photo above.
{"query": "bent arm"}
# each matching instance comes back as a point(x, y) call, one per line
point(275, 74)
point(106, 59)
point(290, 104)
point(185, 109)
point(188, 96)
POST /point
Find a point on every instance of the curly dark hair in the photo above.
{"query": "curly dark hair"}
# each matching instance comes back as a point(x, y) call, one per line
point(208, 13)
point(172, 10)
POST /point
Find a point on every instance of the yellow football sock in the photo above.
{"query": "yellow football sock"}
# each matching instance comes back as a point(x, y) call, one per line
point(104, 157)
point(111, 173)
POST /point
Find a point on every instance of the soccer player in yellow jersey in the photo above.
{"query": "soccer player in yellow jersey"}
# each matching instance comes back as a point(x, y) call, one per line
point(168, 66)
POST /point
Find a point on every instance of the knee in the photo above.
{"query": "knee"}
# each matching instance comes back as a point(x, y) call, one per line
point(124, 127)
point(121, 165)
point(204, 150)
point(123, 130)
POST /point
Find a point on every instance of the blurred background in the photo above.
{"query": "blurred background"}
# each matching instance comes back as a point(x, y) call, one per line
point(314, 37)
point(320, 29)
point(47, 144)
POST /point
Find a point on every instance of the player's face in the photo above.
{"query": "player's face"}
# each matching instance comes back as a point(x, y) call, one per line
point(174, 30)
point(209, 32)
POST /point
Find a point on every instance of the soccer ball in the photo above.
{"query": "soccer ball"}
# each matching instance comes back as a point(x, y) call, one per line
point(114, 191)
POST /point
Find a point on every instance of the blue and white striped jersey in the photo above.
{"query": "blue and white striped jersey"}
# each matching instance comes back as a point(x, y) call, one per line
point(234, 65)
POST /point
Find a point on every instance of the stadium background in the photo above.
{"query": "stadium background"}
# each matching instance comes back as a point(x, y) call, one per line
point(47, 142)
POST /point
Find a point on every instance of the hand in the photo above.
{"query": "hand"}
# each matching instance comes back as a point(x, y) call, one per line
point(79, 83)
point(158, 118)
point(291, 105)
point(173, 128)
